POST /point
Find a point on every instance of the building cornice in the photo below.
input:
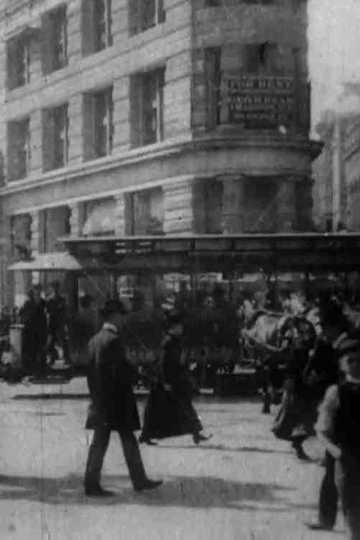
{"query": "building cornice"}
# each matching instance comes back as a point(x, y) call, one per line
point(162, 151)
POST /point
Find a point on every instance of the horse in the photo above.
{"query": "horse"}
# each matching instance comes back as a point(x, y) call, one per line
point(270, 337)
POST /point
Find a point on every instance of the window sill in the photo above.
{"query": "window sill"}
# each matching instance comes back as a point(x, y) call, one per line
point(20, 179)
point(55, 168)
point(54, 70)
point(96, 158)
point(88, 54)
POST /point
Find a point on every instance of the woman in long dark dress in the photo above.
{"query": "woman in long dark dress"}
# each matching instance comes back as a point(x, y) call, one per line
point(297, 414)
point(169, 411)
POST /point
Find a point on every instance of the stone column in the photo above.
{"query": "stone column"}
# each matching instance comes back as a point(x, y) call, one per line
point(120, 214)
point(75, 219)
point(75, 151)
point(35, 233)
point(36, 163)
point(286, 213)
point(35, 241)
point(233, 204)
point(121, 107)
point(179, 207)
point(304, 204)
point(7, 281)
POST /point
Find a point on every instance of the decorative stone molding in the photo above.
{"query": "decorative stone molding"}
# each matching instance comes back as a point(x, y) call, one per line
point(232, 204)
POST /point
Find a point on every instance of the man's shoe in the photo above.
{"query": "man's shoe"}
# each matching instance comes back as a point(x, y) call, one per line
point(198, 438)
point(318, 527)
point(300, 452)
point(148, 484)
point(146, 440)
point(98, 492)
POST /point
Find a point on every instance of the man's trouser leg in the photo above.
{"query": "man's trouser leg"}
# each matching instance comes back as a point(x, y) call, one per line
point(63, 341)
point(348, 483)
point(50, 347)
point(41, 358)
point(133, 458)
point(97, 451)
point(328, 500)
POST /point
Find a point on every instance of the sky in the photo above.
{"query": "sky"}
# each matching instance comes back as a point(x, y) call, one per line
point(334, 53)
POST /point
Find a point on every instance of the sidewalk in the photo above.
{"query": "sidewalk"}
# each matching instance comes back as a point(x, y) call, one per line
point(243, 484)
point(76, 388)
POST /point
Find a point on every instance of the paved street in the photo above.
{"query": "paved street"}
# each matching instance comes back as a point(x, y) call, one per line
point(243, 484)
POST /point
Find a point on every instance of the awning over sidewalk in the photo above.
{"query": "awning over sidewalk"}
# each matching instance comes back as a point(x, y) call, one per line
point(287, 252)
point(48, 262)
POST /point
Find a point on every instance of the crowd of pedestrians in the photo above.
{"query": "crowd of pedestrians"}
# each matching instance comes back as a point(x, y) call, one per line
point(323, 374)
point(317, 343)
point(45, 330)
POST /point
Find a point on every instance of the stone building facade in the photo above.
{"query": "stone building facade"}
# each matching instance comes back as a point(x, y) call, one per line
point(336, 173)
point(152, 117)
point(329, 193)
point(352, 172)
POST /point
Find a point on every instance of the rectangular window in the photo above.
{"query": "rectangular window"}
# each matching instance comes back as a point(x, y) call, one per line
point(98, 217)
point(20, 226)
point(19, 149)
point(54, 40)
point(98, 124)
point(148, 211)
point(55, 137)
point(54, 223)
point(147, 107)
point(18, 62)
point(260, 208)
point(213, 196)
point(145, 14)
point(96, 25)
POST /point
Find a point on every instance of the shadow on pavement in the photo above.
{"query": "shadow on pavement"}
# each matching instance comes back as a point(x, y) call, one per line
point(223, 448)
point(47, 395)
point(194, 492)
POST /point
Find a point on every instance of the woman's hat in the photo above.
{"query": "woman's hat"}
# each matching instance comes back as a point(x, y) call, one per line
point(113, 306)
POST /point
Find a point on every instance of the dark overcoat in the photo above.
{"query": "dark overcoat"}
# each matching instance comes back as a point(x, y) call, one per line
point(110, 379)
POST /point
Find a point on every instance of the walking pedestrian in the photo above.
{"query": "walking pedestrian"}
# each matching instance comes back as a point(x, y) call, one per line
point(169, 411)
point(57, 324)
point(82, 328)
point(335, 330)
point(33, 317)
point(297, 414)
point(338, 428)
point(113, 405)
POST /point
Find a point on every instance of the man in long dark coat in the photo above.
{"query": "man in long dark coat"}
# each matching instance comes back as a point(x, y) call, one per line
point(113, 405)
point(57, 325)
point(335, 330)
point(33, 317)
